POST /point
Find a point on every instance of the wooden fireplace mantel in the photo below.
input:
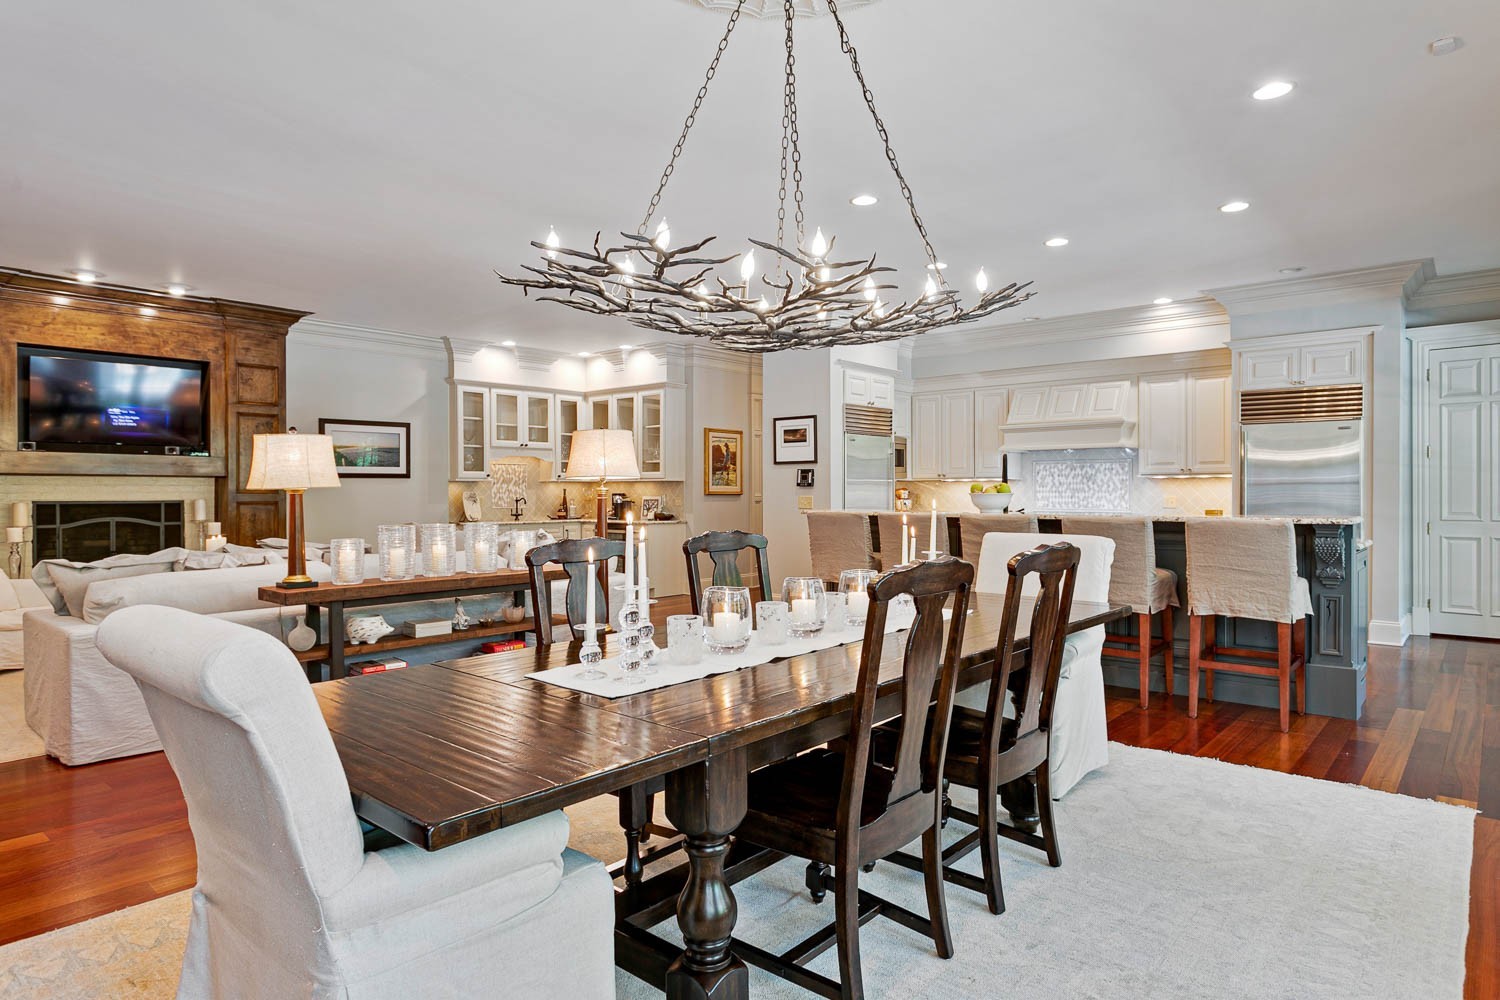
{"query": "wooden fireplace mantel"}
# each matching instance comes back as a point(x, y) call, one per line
point(244, 345)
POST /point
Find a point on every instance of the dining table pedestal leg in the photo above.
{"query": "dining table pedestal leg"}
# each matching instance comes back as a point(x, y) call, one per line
point(706, 802)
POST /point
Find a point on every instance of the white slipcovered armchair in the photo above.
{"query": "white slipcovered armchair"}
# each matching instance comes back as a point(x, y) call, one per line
point(288, 902)
point(1080, 727)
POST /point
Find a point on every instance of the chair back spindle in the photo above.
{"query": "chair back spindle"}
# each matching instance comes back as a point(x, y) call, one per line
point(723, 549)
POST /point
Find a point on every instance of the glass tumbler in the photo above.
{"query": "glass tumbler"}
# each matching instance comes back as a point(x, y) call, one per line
point(398, 551)
point(347, 557)
point(771, 619)
point(805, 597)
point(854, 584)
point(482, 546)
point(437, 549)
point(685, 639)
point(726, 615)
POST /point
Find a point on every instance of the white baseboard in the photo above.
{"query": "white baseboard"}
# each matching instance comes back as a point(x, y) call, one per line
point(1388, 633)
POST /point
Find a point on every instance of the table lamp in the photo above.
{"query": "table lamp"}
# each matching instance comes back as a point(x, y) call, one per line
point(600, 456)
point(15, 535)
point(294, 463)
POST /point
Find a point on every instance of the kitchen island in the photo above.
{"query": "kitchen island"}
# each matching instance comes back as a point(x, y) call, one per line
point(1333, 558)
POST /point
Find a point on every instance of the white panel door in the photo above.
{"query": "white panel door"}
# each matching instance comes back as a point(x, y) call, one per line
point(1107, 399)
point(1268, 368)
point(1066, 402)
point(1208, 419)
point(925, 448)
point(882, 391)
point(1333, 364)
point(1464, 539)
point(1026, 404)
point(989, 418)
point(1163, 425)
point(958, 435)
point(856, 388)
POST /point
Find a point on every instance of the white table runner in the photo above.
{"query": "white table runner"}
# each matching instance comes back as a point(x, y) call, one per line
point(613, 684)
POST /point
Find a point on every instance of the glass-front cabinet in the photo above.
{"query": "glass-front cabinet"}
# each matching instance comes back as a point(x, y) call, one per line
point(649, 411)
point(572, 416)
point(520, 419)
point(622, 416)
point(470, 405)
point(599, 413)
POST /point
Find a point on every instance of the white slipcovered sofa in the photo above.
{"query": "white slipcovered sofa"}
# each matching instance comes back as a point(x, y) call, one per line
point(16, 598)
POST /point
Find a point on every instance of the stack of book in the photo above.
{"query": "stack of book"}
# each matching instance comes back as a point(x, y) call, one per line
point(424, 629)
point(379, 666)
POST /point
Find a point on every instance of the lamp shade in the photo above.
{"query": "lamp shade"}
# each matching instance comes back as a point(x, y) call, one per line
point(598, 454)
point(291, 462)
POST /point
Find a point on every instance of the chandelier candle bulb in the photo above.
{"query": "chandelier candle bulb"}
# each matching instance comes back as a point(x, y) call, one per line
point(553, 242)
point(663, 238)
point(982, 281)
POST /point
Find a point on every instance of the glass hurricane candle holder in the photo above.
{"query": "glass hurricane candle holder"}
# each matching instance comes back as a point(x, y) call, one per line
point(854, 584)
point(398, 551)
point(726, 614)
point(437, 549)
point(347, 558)
point(482, 546)
point(685, 639)
point(771, 622)
point(808, 603)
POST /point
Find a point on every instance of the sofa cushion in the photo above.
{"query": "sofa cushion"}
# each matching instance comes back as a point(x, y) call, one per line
point(206, 592)
point(66, 583)
point(9, 601)
point(227, 558)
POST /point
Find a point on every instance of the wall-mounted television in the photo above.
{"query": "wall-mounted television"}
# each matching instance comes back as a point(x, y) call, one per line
point(92, 401)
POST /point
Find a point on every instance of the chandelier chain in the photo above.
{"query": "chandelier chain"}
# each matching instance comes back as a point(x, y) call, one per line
point(885, 137)
point(791, 90)
point(692, 118)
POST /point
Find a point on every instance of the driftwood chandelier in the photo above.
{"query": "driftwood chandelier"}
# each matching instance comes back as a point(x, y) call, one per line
point(811, 299)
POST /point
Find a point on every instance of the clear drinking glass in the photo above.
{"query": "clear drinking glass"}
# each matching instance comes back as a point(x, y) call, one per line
point(482, 546)
point(437, 549)
point(398, 551)
point(726, 614)
point(347, 557)
point(808, 602)
point(685, 639)
point(854, 584)
point(771, 618)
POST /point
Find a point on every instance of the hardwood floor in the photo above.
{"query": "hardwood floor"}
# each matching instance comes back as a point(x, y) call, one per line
point(79, 842)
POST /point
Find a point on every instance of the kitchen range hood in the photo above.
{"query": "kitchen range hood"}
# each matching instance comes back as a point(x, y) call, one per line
point(1073, 415)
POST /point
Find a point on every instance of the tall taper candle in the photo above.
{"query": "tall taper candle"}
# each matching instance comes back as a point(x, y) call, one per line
point(643, 595)
point(629, 556)
point(588, 604)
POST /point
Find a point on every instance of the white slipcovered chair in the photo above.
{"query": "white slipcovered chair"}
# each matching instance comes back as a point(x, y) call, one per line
point(1080, 727)
point(288, 902)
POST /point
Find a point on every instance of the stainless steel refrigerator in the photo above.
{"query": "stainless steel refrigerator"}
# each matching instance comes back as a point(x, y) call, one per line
point(1308, 468)
point(869, 459)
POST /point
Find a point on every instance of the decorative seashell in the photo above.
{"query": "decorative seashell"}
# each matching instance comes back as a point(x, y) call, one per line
point(367, 628)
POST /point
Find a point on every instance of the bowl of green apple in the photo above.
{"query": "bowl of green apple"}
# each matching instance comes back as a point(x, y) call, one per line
point(991, 499)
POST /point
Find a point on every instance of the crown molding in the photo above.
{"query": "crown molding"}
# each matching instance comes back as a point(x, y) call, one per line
point(1189, 314)
point(321, 333)
point(1397, 282)
point(1177, 362)
point(1471, 288)
point(706, 356)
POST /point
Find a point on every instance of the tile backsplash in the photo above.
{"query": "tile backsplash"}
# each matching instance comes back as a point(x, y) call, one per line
point(543, 495)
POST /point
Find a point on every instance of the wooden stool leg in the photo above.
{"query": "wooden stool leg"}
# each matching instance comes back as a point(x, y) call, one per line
point(1195, 634)
point(1299, 654)
point(1213, 650)
point(1167, 631)
point(1284, 673)
point(1145, 653)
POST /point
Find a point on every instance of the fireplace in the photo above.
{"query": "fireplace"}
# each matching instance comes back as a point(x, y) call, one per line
point(89, 530)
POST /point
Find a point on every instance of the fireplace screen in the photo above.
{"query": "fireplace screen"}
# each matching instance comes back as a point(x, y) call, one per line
point(87, 531)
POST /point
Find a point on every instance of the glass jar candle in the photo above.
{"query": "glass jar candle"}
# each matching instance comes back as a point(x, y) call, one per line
point(482, 546)
point(685, 639)
point(771, 622)
point(437, 550)
point(726, 616)
point(347, 558)
point(398, 551)
point(808, 603)
point(854, 584)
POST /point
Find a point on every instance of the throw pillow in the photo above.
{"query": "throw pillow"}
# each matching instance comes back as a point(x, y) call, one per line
point(70, 581)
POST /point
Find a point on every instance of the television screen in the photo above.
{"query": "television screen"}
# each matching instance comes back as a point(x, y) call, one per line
point(87, 401)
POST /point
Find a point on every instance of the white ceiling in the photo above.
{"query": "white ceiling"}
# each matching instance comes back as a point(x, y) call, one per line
point(374, 161)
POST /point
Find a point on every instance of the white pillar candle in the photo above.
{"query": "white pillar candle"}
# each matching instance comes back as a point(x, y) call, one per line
point(932, 533)
point(859, 604)
point(437, 555)
point(14, 535)
point(804, 609)
point(214, 543)
point(346, 565)
point(482, 556)
point(726, 626)
point(212, 528)
point(397, 560)
point(643, 595)
point(629, 556)
point(588, 603)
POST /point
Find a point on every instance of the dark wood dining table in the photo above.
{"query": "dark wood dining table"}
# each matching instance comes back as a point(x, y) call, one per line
point(446, 752)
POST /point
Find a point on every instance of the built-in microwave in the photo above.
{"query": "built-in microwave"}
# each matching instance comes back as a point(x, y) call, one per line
point(900, 458)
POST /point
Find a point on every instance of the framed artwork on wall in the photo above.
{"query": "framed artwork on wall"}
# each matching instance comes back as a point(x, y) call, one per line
point(369, 449)
point(650, 507)
point(795, 440)
point(723, 462)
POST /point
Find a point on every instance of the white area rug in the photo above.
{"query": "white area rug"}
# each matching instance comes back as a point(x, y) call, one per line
point(1181, 878)
point(16, 738)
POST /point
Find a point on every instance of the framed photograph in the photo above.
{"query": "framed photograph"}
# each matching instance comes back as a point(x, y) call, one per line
point(723, 462)
point(795, 440)
point(650, 507)
point(369, 449)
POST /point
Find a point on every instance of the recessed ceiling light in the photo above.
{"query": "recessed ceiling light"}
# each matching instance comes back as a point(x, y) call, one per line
point(1446, 45)
point(86, 276)
point(1273, 90)
point(1230, 207)
point(585, 354)
point(1292, 270)
point(627, 347)
point(939, 266)
point(1058, 241)
point(1163, 301)
point(507, 343)
point(147, 311)
point(1032, 319)
point(863, 200)
point(177, 289)
point(61, 300)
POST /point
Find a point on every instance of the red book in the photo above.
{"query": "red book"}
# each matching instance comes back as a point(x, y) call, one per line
point(502, 645)
point(377, 666)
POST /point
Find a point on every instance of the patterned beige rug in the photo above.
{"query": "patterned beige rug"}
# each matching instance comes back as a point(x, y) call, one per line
point(17, 741)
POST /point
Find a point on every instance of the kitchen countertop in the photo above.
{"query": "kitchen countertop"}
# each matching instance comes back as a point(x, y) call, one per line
point(917, 515)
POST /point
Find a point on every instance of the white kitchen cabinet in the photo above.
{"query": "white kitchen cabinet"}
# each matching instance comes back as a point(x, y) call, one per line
point(1332, 364)
point(600, 411)
point(925, 445)
point(1028, 404)
point(989, 418)
point(659, 433)
point(470, 418)
point(1292, 365)
point(622, 411)
point(866, 389)
point(901, 419)
point(1185, 424)
point(570, 415)
point(1268, 368)
point(521, 419)
point(958, 436)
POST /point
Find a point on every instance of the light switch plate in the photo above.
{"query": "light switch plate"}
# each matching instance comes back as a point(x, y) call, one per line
point(804, 503)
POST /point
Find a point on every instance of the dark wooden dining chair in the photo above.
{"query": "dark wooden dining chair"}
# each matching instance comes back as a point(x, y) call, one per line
point(572, 555)
point(839, 807)
point(986, 750)
point(723, 549)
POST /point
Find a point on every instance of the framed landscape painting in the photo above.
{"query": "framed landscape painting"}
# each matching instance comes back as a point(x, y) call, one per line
point(795, 440)
point(723, 462)
point(369, 449)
